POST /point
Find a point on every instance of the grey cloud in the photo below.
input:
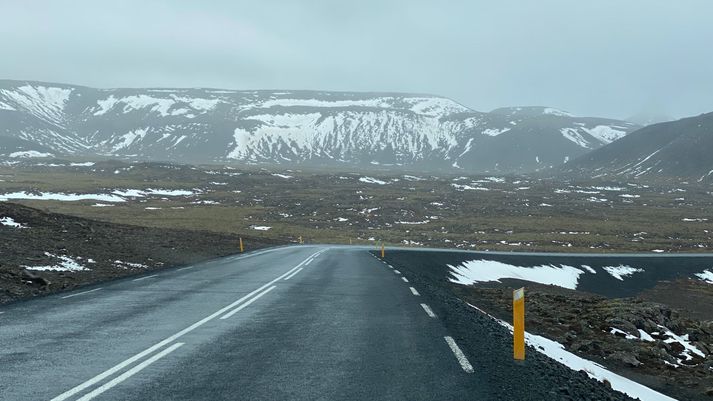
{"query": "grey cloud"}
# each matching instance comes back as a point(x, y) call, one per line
point(605, 57)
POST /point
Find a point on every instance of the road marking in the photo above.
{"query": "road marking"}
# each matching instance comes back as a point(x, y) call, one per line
point(467, 367)
point(397, 272)
point(246, 304)
point(185, 268)
point(144, 278)
point(168, 340)
point(413, 291)
point(136, 369)
point(404, 279)
point(79, 293)
point(295, 272)
point(428, 310)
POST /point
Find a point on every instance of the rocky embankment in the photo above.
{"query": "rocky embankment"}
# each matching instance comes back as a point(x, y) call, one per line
point(42, 253)
point(652, 343)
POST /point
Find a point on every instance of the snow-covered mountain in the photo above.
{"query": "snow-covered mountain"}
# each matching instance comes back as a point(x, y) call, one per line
point(420, 132)
point(679, 149)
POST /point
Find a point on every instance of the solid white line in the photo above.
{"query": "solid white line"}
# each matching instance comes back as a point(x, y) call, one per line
point(404, 279)
point(309, 261)
point(397, 272)
point(246, 304)
point(459, 355)
point(136, 369)
point(185, 268)
point(79, 293)
point(413, 291)
point(168, 340)
point(295, 272)
point(428, 310)
point(144, 278)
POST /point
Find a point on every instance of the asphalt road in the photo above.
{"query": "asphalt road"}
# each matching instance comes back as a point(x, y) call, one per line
point(290, 323)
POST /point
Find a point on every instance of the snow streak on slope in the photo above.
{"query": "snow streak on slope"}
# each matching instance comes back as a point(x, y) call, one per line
point(43, 102)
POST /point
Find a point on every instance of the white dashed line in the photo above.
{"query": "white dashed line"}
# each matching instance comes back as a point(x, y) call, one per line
point(295, 272)
point(185, 268)
point(404, 279)
point(144, 278)
point(79, 293)
point(413, 291)
point(397, 272)
point(428, 310)
point(467, 367)
point(136, 369)
point(246, 304)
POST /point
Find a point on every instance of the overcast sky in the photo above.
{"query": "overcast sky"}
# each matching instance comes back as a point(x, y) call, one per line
point(609, 58)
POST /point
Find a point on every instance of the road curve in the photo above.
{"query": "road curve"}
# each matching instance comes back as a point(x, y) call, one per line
point(302, 322)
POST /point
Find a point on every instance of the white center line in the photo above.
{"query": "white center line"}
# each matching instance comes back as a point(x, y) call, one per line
point(136, 369)
point(404, 279)
point(79, 293)
point(295, 272)
point(246, 304)
point(428, 310)
point(168, 340)
point(467, 367)
point(144, 278)
point(413, 291)
point(397, 272)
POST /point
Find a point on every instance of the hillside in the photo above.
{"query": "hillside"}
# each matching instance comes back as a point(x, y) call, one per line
point(678, 149)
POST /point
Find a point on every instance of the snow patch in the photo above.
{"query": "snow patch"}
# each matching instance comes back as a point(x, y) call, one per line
point(10, 222)
point(475, 271)
point(65, 264)
point(706, 276)
point(26, 154)
point(621, 271)
point(371, 180)
point(494, 131)
point(57, 196)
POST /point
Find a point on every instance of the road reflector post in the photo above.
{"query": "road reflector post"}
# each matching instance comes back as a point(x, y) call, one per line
point(382, 250)
point(301, 241)
point(241, 245)
point(518, 323)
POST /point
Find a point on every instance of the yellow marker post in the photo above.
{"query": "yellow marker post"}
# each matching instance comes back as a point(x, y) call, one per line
point(382, 250)
point(518, 323)
point(241, 245)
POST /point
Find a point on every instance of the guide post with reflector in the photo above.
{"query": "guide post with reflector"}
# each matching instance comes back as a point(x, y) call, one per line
point(382, 250)
point(518, 324)
point(241, 245)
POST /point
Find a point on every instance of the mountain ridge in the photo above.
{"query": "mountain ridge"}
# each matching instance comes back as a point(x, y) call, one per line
point(674, 149)
point(290, 127)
